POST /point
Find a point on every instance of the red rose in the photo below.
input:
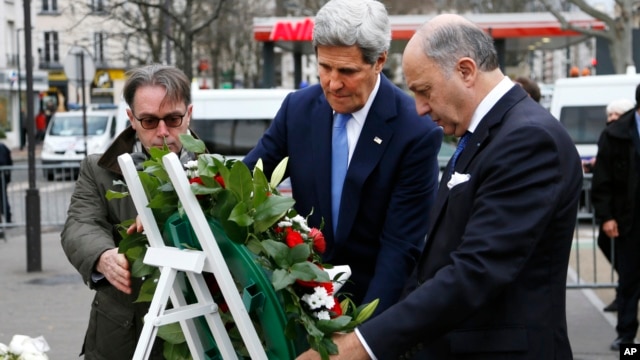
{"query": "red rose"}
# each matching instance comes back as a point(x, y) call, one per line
point(293, 238)
point(220, 180)
point(309, 284)
point(196, 180)
point(328, 286)
point(319, 244)
point(336, 310)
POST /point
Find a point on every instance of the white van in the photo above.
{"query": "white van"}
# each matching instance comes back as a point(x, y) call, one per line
point(580, 105)
point(231, 121)
point(64, 140)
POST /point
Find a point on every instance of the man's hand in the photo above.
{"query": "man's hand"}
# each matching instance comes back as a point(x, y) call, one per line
point(115, 268)
point(610, 227)
point(349, 348)
point(136, 226)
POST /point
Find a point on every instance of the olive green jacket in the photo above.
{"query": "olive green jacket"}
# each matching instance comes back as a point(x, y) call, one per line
point(91, 228)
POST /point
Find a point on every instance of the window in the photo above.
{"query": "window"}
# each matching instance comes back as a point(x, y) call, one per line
point(97, 5)
point(584, 123)
point(49, 5)
point(229, 136)
point(51, 54)
point(99, 39)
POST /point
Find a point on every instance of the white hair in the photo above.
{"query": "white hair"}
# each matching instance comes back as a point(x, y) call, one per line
point(620, 106)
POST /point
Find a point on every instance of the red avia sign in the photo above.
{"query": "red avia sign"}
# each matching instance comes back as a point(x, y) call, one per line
point(292, 30)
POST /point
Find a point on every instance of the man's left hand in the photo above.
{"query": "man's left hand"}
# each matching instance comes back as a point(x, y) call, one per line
point(349, 348)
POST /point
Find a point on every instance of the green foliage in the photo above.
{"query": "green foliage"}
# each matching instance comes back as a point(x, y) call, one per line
point(253, 213)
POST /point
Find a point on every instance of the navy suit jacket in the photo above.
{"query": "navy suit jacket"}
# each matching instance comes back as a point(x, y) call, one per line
point(389, 187)
point(493, 273)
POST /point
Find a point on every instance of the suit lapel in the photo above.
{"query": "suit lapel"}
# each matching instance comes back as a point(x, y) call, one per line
point(479, 139)
point(373, 140)
point(321, 119)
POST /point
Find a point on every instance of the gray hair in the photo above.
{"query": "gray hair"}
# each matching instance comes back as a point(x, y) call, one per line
point(447, 43)
point(172, 79)
point(620, 106)
point(364, 23)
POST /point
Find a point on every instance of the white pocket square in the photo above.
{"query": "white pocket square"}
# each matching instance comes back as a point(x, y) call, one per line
point(457, 179)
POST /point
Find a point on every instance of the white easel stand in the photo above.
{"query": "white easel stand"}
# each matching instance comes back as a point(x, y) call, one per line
point(173, 260)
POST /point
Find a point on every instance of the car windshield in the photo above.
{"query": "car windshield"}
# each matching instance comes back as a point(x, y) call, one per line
point(72, 125)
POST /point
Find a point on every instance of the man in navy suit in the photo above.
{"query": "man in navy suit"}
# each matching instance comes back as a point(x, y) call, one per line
point(391, 180)
point(491, 280)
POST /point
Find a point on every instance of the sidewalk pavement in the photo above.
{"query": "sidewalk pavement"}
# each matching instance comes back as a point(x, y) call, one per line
point(55, 303)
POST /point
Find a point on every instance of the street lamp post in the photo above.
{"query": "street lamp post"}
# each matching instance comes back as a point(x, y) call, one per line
point(34, 243)
point(20, 117)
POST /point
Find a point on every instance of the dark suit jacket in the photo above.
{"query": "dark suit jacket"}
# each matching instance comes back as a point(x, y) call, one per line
point(389, 187)
point(493, 273)
point(615, 176)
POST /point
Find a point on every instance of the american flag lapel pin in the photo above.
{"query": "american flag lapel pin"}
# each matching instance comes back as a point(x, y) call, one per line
point(377, 140)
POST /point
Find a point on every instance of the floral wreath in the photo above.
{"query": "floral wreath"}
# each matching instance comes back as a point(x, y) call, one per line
point(253, 213)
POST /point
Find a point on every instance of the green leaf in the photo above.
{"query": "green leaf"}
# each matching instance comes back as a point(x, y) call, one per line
point(280, 279)
point(365, 311)
point(157, 153)
point(278, 173)
point(116, 194)
point(261, 188)
point(192, 144)
point(270, 211)
point(132, 241)
point(221, 169)
point(226, 203)
point(333, 325)
point(147, 290)
point(240, 215)
point(176, 351)
point(309, 271)
point(279, 252)
point(171, 333)
point(140, 269)
point(299, 253)
point(255, 246)
point(240, 182)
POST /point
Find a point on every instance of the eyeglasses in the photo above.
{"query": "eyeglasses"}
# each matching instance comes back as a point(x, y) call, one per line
point(151, 122)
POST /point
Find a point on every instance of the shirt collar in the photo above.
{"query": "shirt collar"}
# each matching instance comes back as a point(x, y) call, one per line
point(489, 101)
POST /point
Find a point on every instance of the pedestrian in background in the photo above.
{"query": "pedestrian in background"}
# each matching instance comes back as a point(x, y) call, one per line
point(5, 160)
point(491, 283)
point(530, 86)
point(160, 111)
point(41, 125)
point(614, 110)
point(616, 201)
point(375, 204)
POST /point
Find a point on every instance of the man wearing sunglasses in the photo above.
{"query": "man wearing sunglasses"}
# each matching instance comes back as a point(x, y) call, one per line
point(160, 110)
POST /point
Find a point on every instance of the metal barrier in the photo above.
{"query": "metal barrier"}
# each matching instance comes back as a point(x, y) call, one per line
point(55, 183)
point(588, 268)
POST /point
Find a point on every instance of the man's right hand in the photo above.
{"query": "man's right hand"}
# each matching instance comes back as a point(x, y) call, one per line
point(610, 227)
point(115, 268)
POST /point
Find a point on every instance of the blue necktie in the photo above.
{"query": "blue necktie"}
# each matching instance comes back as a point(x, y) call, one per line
point(461, 145)
point(339, 164)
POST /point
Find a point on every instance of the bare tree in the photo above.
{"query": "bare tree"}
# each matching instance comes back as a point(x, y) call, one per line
point(228, 44)
point(618, 32)
point(165, 27)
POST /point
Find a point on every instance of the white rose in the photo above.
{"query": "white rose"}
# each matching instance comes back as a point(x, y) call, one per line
point(4, 349)
point(17, 343)
point(33, 356)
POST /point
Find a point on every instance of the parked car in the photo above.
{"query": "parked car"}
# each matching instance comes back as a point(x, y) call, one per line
point(65, 142)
